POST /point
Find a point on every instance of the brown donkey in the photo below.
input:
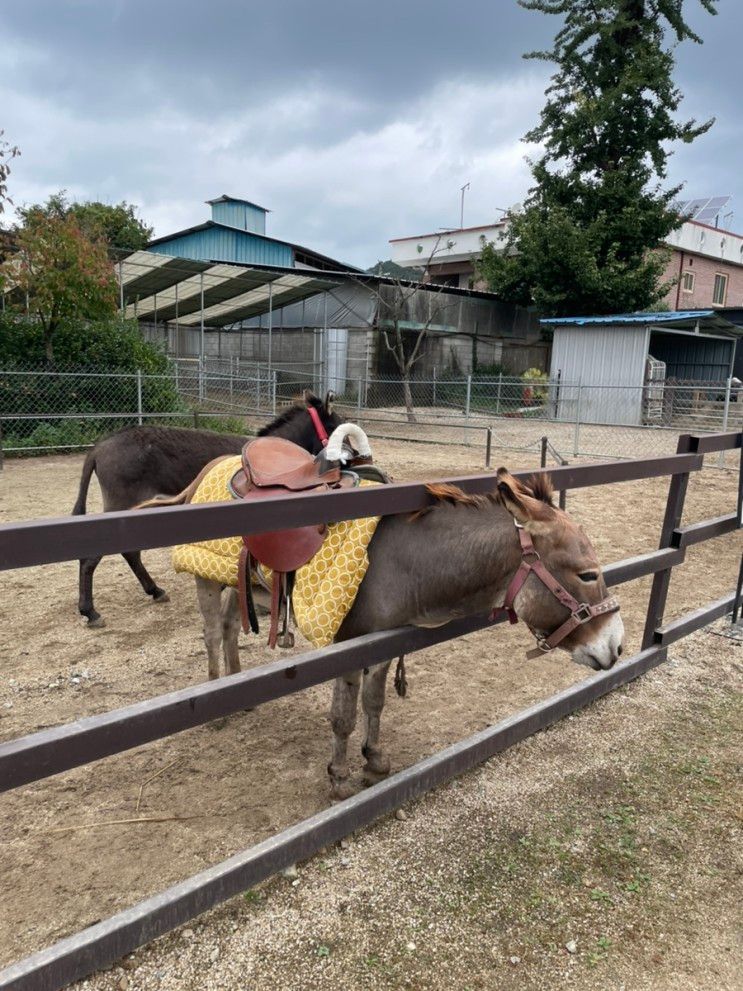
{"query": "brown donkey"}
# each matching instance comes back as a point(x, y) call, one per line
point(461, 556)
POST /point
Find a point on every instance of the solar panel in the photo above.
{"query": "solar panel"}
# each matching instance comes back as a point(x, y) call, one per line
point(706, 210)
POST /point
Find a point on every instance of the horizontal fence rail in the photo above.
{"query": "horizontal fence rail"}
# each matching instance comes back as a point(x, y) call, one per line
point(68, 538)
point(61, 748)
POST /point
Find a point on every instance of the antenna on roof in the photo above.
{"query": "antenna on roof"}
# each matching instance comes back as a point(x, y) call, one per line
point(461, 213)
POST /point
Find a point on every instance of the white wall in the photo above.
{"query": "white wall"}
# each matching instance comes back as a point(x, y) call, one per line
point(703, 240)
point(450, 246)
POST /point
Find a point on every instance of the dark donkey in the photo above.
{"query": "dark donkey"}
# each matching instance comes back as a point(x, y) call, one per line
point(138, 463)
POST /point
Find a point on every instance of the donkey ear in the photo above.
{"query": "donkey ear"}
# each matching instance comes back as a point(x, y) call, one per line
point(310, 398)
point(329, 400)
point(520, 503)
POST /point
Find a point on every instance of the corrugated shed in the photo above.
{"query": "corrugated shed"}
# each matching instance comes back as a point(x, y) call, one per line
point(226, 244)
point(239, 214)
point(692, 358)
point(608, 364)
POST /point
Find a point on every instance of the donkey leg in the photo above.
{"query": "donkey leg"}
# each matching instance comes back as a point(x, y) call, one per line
point(134, 560)
point(231, 631)
point(372, 701)
point(343, 720)
point(210, 595)
point(85, 600)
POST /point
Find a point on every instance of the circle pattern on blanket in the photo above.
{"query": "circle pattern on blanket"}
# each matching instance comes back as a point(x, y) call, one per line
point(324, 589)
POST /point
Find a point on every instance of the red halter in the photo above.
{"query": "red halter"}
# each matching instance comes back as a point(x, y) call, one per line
point(580, 612)
point(322, 434)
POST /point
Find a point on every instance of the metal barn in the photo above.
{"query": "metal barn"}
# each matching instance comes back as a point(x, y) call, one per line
point(637, 368)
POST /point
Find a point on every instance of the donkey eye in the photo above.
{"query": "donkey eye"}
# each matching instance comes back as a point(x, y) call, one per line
point(589, 576)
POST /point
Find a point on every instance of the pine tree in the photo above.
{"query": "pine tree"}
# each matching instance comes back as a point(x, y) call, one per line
point(590, 237)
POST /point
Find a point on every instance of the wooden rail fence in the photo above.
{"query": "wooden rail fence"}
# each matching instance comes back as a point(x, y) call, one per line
point(55, 750)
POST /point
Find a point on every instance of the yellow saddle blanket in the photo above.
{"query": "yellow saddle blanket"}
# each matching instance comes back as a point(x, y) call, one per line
point(324, 589)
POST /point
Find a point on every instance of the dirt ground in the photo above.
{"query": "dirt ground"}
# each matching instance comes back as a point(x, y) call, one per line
point(235, 783)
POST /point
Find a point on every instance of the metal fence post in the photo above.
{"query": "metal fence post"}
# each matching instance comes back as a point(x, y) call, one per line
point(176, 383)
point(232, 375)
point(576, 432)
point(498, 393)
point(139, 396)
point(543, 455)
point(358, 398)
point(725, 417)
point(469, 396)
point(488, 445)
point(433, 402)
point(273, 393)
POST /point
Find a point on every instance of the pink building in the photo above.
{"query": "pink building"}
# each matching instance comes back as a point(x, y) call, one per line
point(706, 266)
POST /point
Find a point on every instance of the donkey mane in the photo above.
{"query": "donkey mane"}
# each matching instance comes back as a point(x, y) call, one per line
point(539, 487)
point(286, 416)
point(454, 496)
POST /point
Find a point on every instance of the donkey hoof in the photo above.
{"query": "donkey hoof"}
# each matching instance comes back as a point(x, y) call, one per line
point(96, 623)
point(341, 790)
point(377, 763)
point(372, 777)
point(160, 595)
point(286, 640)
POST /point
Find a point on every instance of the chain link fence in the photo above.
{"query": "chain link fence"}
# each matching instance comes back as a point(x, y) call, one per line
point(43, 411)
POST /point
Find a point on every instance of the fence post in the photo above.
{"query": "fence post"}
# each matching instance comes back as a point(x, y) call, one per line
point(139, 396)
point(488, 445)
point(231, 375)
point(433, 402)
point(498, 392)
point(177, 388)
point(201, 378)
point(671, 519)
point(1, 446)
point(273, 392)
point(576, 432)
point(543, 455)
point(358, 398)
point(196, 418)
point(469, 396)
point(725, 417)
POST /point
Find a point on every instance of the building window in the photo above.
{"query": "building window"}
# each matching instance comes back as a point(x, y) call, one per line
point(720, 290)
point(687, 282)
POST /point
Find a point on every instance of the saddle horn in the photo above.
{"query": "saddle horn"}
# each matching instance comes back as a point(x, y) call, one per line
point(334, 450)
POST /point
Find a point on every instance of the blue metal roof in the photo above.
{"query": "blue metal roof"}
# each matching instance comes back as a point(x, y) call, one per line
point(657, 317)
point(700, 321)
point(211, 241)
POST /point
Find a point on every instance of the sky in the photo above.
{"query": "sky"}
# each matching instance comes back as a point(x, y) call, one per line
point(352, 122)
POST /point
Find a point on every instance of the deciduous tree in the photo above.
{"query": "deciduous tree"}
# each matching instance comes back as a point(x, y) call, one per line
point(57, 273)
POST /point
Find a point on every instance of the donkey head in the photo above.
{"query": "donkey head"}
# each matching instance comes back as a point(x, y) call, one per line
point(296, 425)
point(568, 556)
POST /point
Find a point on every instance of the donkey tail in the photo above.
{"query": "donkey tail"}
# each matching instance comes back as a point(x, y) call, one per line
point(186, 495)
point(82, 493)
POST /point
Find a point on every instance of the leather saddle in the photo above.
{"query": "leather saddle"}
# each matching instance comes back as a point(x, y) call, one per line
point(271, 465)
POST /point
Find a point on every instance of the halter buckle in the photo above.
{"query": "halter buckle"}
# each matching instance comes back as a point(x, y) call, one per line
point(583, 613)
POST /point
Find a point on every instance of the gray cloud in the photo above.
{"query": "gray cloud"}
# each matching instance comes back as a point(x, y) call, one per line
point(354, 123)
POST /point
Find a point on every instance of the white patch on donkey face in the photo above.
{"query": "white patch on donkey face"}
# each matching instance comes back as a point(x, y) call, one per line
point(604, 650)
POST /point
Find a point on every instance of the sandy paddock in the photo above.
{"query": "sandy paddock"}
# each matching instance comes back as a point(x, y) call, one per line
point(233, 783)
